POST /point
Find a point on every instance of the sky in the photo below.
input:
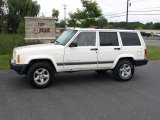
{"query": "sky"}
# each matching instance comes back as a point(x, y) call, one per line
point(113, 10)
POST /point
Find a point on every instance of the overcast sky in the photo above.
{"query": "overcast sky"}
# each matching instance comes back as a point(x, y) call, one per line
point(110, 8)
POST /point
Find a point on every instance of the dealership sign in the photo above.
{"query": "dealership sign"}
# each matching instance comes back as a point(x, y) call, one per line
point(39, 28)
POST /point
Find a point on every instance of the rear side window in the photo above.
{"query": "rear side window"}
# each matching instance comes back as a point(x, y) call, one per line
point(108, 39)
point(130, 39)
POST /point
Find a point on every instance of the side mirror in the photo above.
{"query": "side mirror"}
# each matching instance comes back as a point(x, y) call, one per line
point(73, 44)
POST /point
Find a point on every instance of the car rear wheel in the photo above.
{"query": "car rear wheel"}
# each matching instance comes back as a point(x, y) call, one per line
point(124, 70)
point(40, 75)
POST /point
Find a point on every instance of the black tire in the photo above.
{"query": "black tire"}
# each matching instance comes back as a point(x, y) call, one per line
point(122, 73)
point(43, 71)
point(101, 71)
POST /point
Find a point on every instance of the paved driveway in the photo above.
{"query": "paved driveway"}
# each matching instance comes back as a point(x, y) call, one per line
point(83, 96)
point(153, 42)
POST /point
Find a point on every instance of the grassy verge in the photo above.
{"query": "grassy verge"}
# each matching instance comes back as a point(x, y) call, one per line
point(7, 43)
point(4, 61)
point(153, 52)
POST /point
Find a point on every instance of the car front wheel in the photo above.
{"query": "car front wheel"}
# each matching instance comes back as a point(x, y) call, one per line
point(40, 75)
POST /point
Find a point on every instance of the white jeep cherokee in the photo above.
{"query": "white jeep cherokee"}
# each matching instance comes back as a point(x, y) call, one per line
point(82, 49)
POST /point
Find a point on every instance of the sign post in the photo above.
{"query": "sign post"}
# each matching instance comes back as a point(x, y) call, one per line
point(39, 29)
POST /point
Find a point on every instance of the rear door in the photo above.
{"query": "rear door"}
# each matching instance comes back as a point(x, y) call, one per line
point(109, 49)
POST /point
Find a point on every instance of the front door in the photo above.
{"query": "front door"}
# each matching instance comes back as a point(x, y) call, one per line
point(84, 55)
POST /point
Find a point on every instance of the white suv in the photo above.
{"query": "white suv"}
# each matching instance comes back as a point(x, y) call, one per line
point(82, 49)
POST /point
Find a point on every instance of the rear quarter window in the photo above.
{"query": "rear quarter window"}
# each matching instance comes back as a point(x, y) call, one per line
point(130, 39)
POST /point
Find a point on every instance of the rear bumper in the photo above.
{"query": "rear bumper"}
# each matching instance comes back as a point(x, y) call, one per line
point(140, 62)
point(19, 68)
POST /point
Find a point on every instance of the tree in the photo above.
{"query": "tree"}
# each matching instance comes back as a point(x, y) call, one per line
point(17, 10)
point(61, 24)
point(101, 21)
point(2, 15)
point(55, 14)
point(156, 26)
point(87, 16)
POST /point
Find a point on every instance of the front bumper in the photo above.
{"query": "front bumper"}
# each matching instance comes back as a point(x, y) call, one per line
point(19, 68)
point(140, 62)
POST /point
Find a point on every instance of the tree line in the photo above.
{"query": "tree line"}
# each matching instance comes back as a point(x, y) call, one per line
point(12, 13)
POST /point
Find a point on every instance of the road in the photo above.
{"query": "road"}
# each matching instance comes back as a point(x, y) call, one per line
point(83, 96)
point(153, 42)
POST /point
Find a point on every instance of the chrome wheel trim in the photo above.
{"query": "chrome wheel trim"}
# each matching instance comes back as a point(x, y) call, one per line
point(125, 71)
point(41, 76)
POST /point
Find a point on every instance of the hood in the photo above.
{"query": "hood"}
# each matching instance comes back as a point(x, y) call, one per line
point(39, 47)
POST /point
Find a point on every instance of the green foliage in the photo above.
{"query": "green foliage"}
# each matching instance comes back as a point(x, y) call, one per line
point(55, 14)
point(17, 10)
point(9, 41)
point(61, 24)
point(156, 26)
point(2, 15)
point(87, 16)
point(21, 27)
point(149, 25)
point(102, 21)
point(130, 25)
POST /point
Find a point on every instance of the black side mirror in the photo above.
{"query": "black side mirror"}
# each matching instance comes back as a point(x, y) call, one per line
point(73, 45)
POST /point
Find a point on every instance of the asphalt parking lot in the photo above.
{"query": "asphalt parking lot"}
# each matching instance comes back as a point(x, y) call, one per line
point(83, 96)
point(152, 42)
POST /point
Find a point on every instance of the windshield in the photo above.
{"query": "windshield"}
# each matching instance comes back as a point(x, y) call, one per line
point(65, 37)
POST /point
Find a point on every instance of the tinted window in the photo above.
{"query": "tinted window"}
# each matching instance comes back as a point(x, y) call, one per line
point(130, 39)
point(108, 39)
point(86, 39)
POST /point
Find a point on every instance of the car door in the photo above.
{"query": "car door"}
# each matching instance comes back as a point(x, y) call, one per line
point(109, 49)
point(83, 56)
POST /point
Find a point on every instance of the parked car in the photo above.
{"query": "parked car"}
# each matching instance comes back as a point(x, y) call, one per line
point(81, 50)
point(145, 34)
point(158, 34)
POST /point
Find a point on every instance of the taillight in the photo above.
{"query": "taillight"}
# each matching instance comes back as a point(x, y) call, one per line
point(145, 53)
point(18, 59)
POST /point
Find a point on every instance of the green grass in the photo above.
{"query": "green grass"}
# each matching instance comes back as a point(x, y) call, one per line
point(4, 61)
point(9, 41)
point(153, 53)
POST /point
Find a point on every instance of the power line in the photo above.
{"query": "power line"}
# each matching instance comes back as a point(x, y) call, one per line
point(145, 11)
point(133, 11)
point(133, 14)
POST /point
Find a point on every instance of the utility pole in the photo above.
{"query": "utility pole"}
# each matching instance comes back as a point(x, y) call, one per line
point(127, 11)
point(65, 20)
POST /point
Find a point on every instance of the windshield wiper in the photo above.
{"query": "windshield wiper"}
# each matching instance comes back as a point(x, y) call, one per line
point(57, 42)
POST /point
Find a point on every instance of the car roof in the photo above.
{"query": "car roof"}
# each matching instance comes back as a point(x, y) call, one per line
point(109, 30)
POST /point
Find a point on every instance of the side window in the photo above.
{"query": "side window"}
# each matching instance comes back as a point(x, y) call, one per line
point(108, 39)
point(130, 39)
point(86, 39)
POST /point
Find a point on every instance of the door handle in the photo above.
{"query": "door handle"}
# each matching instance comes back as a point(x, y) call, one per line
point(117, 48)
point(95, 49)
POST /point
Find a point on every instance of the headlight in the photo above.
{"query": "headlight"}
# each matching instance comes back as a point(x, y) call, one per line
point(15, 53)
